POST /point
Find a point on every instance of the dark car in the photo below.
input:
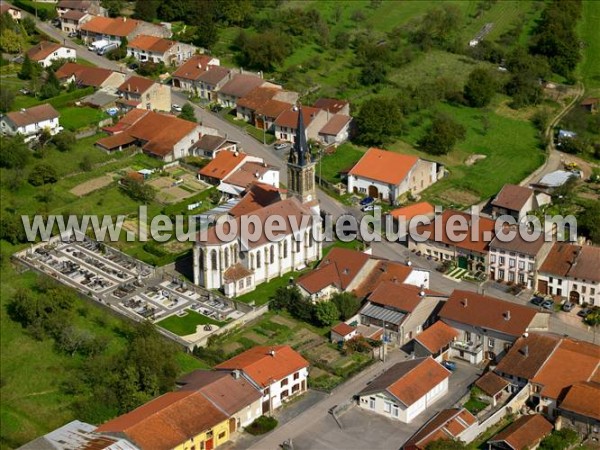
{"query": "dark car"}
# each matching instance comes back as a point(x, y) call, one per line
point(584, 312)
point(134, 66)
point(216, 107)
point(366, 201)
point(451, 366)
point(537, 301)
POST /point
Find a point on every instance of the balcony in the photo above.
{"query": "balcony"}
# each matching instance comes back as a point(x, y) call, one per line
point(471, 347)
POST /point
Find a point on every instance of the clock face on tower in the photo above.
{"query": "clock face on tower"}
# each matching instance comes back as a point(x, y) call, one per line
point(308, 198)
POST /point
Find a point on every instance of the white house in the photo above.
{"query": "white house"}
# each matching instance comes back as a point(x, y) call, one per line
point(14, 13)
point(279, 372)
point(406, 389)
point(71, 21)
point(238, 182)
point(157, 49)
point(30, 122)
point(386, 175)
point(45, 53)
point(336, 130)
point(571, 272)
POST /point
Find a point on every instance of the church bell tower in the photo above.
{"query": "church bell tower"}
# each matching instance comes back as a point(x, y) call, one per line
point(301, 168)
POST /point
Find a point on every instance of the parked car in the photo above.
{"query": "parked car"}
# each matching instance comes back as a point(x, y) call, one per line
point(537, 301)
point(547, 304)
point(72, 34)
point(567, 306)
point(176, 107)
point(584, 312)
point(367, 201)
point(370, 208)
point(133, 66)
point(107, 48)
point(281, 146)
point(450, 365)
point(216, 107)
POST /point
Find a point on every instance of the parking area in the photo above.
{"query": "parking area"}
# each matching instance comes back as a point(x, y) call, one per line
point(383, 433)
point(129, 285)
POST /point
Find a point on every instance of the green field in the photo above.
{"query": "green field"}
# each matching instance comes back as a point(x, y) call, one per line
point(263, 292)
point(184, 325)
point(589, 68)
point(75, 118)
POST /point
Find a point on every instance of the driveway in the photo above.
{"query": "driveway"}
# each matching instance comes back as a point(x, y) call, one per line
point(316, 428)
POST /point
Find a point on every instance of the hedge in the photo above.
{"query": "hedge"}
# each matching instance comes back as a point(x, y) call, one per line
point(68, 98)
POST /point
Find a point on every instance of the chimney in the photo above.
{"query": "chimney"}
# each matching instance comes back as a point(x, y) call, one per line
point(507, 315)
point(124, 19)
point(235, 374)
point(526, 350)
point(257, 175)
point(465, 302)
point(272, 353)
point(422, 293)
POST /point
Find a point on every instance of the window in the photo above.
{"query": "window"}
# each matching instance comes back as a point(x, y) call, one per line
point(521, 265)
point(213, 259)
point(298, 244)
point(493, 258)
point(372, 402)
point(530, 267)
point(221, 435)
point(272, 254)
point(241, 284)
point(296, 375)
point(491, 342)
point(560, 281)
point(209, 434)
point(267, 391)
point(387, 407)
point(593, 291)
point(502, 260)
point(284, 382)
point(511, 276)
point(501, 274)
point(521, 278)
point(258, 262)
point(574, 286)
point(395, 410)
point(511, 262)
point(285, 248)
point(248, 281)
point(583, 289)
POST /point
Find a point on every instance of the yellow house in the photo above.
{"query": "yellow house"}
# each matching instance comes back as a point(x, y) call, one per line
point(181, 420)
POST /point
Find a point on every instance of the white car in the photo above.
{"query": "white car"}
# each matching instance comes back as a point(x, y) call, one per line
point(176, 108)
point(371, 208)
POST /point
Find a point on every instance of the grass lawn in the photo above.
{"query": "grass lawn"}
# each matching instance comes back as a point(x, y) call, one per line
point(33, 374)
point(184, 325)
point(75, 118)
point(263, 292)
point(474, 405)
point(84, 62)
point(345, 157)
point(589, 68)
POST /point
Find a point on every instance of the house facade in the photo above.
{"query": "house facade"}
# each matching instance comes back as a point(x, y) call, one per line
point(517, 261)
point(45, 53)
point(285, 123)
point(31, 122)
point(387, 175)
point(279, 372)
point(96, 77)
point(71, 21)
point(406, 390)
point(143, 93)
point(336, 131)
point(517, 201)
point(571, 272)
point(238, 86)
point(201, 75)
point(115, 29)
point(91, 7)
point(157, 49)
point(486, 326)
point(14, 13)
point(435, 341)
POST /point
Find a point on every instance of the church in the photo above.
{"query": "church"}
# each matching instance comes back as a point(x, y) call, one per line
point(237, 265)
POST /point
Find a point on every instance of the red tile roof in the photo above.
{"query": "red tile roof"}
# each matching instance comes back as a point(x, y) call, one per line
point(193, 67)
point(42, 50)
point(151, 43)
point(335, 125)
point(273, 108)
point(528, 354)
point(248, 173)
point(491, 384)
point(214, 74)
point(116, 140)
point(437, 336)
point(223, 164)
point(33, 115)
point(84, 75)
point(467, 240)
point(330, 104)
point(289, 118)
point(447, 424)
point(257, 97)
point(241, 84)
point(118, 26)
point(383, 271)
point(136, 84)
point(343, 329)
point(236, 272)
point(487, 312)
point(574, 261)
point(512, 197)
point(583, 399)
point(409, 381)
point(408, 212)
point(403, 297)
point(167, 421)
point(339, 268)
point(74, 14)
point(525, 432)
point(257, 196)
point(385, 166)
point(266, 364)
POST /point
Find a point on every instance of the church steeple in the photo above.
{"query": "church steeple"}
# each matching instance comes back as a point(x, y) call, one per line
point(301, 168)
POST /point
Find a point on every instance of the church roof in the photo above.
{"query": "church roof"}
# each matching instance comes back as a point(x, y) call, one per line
point(300, 152)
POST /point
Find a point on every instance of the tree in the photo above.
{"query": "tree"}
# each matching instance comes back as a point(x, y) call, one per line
point(560, 440)
point(480, 87)
point(373, 73)
point(64, 141)
point(346, 303)
point(588, 223)
point(86, 163)
point(113, 7)
point(146, 9)
point(526, 72)
point(341, 41)
point(325, 313)
point(28, 25)
point(14, 152)
point(138, 190)
point(187, 113)
point(51, 88)
point(379, 121)
point(445, 444)
point(10, 42)
point(42, 174)
point(11, 229)
point(7, 97)
point(28, 69)
point(442, 135)
point(203, 16)
point(263, 51)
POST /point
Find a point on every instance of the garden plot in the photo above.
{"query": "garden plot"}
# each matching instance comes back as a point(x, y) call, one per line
point(92, 185)
point(180, 185)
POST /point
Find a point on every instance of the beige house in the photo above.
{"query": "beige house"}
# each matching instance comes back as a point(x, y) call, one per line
point(157, 49)
point(314, 120)
point(143, 93)
point(96, 77)
point(13, 12)
point(517, 201)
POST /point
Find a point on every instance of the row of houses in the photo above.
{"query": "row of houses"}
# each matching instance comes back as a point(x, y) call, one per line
point(206, 410)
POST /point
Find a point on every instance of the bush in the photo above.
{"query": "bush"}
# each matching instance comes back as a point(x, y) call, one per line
point(262, 425)
point(43, 174)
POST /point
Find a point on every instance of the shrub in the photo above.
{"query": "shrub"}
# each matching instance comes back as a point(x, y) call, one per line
point(262, 425)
